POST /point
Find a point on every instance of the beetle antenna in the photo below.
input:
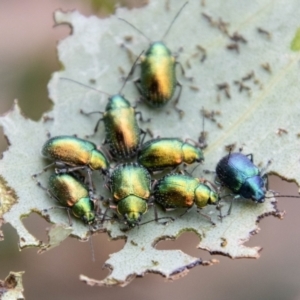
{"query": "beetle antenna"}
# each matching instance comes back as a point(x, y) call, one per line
point(195, 168)
point(85, 85)
point(174, 19)
point(228, 156)
point(136, 29)
point(287, 196)
point(131, 71)
point(91, 244)
point(161, 218)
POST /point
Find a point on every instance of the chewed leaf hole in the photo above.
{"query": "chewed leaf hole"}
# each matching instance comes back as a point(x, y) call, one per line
point(186, 242)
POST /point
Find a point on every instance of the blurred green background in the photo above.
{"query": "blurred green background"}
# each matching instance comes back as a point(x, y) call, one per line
point(27, 59)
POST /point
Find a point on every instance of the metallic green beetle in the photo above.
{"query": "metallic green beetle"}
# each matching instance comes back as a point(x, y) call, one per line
point(183, 191)
point(162, 153)
point(73, 153)
point(158, 79)
point(130, 185)
point(158, 82)
point(70, 154)
point(73, 195)
point(122, 133)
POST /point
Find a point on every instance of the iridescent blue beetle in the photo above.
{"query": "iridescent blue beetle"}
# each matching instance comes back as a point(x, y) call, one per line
point(237, 172)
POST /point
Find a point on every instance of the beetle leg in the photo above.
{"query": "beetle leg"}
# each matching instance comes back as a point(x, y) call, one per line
point(34, 176)
point(98, 122)
point(183, 71)
point(156, 218)
point(141, 117)
point(231, 202)
point(137, 84)
point(263, 172)
point(250, 156)
point(144, 133)
point(180, 111)
point(206, 216)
